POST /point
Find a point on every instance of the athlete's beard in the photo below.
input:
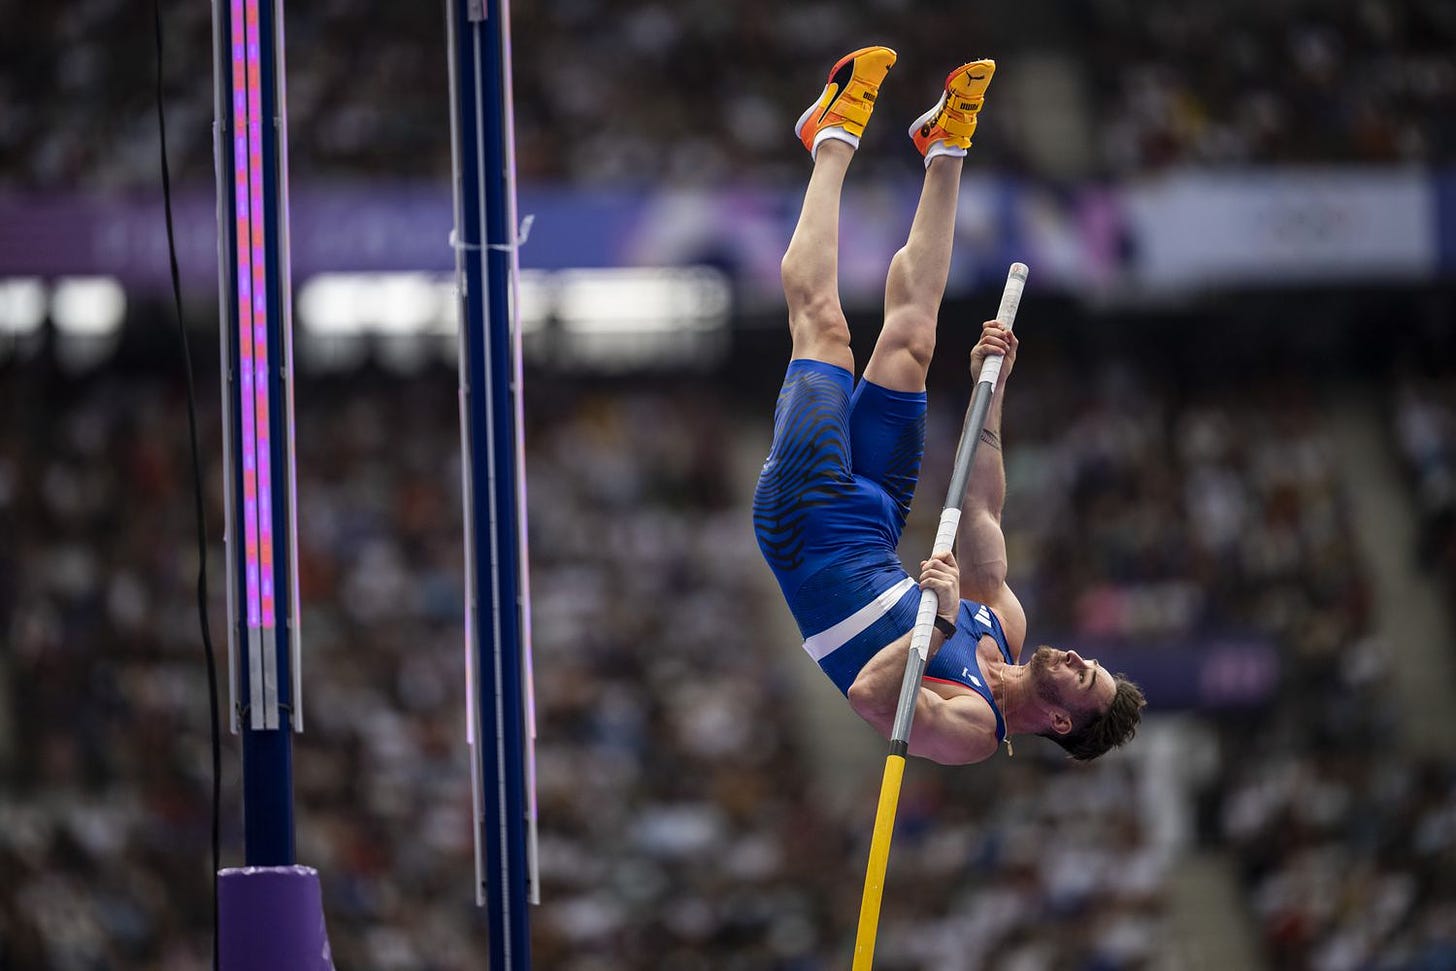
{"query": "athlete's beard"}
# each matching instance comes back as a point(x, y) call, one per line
point(1040, 667)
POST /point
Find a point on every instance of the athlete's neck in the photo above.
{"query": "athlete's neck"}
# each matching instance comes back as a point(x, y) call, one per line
point(1012, 687)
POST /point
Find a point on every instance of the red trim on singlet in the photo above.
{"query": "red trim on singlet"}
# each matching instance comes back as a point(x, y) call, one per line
point(958, 684)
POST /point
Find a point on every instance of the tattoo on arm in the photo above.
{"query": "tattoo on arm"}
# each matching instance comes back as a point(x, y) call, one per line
point(991, 438)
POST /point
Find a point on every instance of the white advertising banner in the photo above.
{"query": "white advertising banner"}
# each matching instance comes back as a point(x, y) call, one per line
point(1271, 228)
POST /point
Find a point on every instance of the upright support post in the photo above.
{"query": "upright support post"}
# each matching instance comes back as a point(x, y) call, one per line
point(257, 361)
point(497, 647)
point(270, 912)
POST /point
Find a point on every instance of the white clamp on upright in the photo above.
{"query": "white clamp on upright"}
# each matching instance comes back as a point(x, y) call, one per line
point(950, 515)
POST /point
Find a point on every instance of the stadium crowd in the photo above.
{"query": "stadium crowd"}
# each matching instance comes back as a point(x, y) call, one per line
point(678, 827)
point(1167, 82)
point(1163, 513)
point(1144, 509)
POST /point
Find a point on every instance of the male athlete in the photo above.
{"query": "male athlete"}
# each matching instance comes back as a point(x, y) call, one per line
point(833, 496)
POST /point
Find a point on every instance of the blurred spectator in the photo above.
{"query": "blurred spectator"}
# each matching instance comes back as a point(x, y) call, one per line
point(1425, 432)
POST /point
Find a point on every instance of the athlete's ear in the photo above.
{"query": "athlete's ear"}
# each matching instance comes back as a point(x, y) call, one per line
point(1061, 721)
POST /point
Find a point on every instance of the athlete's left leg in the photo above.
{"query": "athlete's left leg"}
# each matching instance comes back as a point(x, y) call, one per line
point(916, 283)
point(887, 412)
point(919, 270)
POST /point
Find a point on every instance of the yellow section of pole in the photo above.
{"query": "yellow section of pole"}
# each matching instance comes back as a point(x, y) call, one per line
point(874, 886)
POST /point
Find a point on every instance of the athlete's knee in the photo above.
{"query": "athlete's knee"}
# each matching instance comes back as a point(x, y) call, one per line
point(815, 317)
point(805, 279)
point(907, 288)
point(910, 330)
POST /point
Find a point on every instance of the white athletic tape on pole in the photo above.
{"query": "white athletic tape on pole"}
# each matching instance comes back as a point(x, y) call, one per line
point(1011, 295)
point(924, 624)
point(1006, 317)
point(991, 369)
point(945, 536)
point(824, 643)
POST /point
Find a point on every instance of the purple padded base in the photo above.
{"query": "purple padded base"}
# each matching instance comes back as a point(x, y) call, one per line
point(271, 918)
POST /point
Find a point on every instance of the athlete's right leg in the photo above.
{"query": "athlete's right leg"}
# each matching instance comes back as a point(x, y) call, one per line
point(807, 475)
point(830, 129)
point(810, 267)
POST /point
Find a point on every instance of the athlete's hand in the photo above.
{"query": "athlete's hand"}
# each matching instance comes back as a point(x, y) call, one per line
point(941, 575)
point(994, 340)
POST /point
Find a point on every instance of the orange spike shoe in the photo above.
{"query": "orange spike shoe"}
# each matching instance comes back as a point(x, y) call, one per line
point(952, 122)
point(844, 108)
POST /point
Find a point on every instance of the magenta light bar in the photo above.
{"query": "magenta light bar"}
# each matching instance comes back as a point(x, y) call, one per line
point(244, 278)
point(252, 316)
point(260, 318)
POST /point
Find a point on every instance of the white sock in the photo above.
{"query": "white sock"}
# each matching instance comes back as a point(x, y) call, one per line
point(835, 133)
point(942, 148)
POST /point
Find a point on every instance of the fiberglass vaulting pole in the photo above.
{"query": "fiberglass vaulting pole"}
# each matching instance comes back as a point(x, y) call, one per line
point(919, 651)
point(497, 618)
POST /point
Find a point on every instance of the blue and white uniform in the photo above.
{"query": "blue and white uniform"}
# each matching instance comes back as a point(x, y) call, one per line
point(830, 506)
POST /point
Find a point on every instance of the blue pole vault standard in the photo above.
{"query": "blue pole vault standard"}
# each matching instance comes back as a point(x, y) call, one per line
point(497, 650)
point(270, 913)
point(257, 361)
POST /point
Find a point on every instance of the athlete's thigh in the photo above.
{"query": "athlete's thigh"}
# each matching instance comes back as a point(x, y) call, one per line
point(887, 440)
point(807, 475)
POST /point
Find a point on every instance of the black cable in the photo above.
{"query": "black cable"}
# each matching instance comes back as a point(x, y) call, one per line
point(197, 491)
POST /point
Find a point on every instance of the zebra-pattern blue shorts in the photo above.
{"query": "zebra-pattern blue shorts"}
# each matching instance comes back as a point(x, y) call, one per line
point(832, 498)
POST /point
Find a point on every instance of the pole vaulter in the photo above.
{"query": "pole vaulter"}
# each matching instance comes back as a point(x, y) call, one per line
point(832, 499)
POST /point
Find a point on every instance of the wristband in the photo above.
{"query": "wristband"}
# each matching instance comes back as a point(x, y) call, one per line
point(945, 627)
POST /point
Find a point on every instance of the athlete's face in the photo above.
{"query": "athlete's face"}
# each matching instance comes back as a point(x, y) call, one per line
point(1067, 680)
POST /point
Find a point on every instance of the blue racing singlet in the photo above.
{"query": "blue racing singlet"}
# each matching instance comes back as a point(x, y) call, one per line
point(955, 662)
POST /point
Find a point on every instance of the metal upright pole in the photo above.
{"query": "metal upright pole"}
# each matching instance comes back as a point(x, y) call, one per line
point(485, 241)
point(257, 347)
point(270, 912)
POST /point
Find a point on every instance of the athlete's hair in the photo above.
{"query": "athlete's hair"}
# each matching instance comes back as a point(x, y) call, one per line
point(1098, 731)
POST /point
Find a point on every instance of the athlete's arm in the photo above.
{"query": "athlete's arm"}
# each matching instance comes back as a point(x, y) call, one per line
point(951, 731)
point(980, 540)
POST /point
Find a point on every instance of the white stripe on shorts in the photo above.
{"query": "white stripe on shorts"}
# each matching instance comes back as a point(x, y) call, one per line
point(826, 642)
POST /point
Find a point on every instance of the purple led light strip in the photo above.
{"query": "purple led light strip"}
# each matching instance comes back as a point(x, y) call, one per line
point(244, 278)
point(260, 319)
point(252, 315)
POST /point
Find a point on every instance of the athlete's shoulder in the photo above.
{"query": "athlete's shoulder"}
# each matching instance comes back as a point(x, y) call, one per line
point(1003, 617)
